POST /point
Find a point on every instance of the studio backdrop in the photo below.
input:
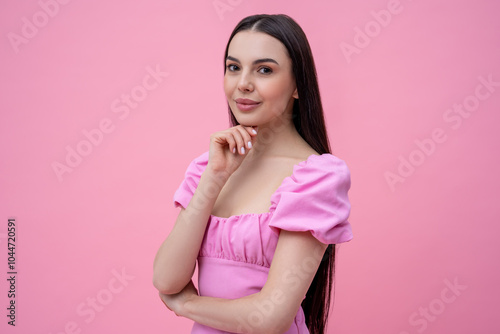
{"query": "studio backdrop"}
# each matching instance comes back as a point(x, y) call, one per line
point(104, 104)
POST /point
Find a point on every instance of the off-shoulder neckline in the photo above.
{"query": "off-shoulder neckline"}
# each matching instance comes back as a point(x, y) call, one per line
point(302, 163)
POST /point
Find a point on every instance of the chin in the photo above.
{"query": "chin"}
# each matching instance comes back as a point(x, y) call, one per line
point(246, 120)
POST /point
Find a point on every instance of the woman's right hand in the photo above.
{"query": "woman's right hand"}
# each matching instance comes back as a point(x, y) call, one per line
point(229, 147)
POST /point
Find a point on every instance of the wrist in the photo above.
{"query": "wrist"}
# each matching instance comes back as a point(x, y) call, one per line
point(214, 180)
point(186, 307)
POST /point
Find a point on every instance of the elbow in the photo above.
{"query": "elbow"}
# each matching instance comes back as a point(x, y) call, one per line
point(165, 287)
point(170, 283)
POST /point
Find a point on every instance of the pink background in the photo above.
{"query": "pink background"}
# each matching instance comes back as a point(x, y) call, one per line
point(111, 212)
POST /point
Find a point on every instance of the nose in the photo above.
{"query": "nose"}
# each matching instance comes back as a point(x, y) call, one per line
point(245, 83)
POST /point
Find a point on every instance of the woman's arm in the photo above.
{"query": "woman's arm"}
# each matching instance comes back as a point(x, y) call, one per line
point(273, 309)
point(175, 260)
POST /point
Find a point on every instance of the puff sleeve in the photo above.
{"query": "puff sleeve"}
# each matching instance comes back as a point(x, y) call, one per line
point(185, 192)
point(315, 198)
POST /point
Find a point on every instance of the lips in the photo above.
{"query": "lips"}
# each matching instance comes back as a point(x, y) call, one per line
point(246, 101)
point(245, 105)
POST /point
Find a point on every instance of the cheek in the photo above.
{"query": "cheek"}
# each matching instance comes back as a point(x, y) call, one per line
point(228, 87)
point(276, 90)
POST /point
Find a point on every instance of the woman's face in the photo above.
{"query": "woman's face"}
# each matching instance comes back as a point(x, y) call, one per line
point(259, 82)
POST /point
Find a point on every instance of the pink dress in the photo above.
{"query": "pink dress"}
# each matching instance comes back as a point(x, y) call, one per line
point(237, 251)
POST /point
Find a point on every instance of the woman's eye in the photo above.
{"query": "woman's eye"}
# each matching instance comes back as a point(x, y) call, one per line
point(232, 67)
point(265, 70)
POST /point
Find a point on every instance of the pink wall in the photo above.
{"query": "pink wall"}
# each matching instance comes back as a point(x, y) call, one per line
point(393, 76)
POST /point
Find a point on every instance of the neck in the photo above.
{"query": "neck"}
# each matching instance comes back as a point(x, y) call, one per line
point(276, 138)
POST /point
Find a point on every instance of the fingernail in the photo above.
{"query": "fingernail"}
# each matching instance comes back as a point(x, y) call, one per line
point(242, 150)
point(249, 144)
point(254, 132)
point(234, 149)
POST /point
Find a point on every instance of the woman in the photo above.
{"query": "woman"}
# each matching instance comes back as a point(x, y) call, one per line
point(262, 209)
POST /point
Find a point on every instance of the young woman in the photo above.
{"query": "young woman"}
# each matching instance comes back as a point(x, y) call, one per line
point(262, 209)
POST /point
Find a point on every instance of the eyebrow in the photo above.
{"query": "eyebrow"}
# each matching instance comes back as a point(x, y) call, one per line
point(255, 62)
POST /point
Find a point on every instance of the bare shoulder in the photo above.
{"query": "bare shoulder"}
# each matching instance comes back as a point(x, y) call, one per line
point(303, 153)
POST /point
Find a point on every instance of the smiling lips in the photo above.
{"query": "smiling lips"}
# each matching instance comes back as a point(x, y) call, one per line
point(246, 104)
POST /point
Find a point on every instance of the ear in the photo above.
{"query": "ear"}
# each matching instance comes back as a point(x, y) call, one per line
point(295, 94)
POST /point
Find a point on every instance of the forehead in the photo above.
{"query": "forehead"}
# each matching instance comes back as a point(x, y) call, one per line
point(249, 45)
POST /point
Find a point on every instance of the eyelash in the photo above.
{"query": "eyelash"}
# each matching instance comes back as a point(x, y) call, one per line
point(268, 70)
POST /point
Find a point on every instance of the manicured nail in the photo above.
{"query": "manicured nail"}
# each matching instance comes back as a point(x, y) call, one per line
point(234, 149)
point(254, 132)
point(249, 144)
point(242, 150)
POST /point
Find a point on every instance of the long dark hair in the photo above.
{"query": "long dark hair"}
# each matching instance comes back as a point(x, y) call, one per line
point(309, 121)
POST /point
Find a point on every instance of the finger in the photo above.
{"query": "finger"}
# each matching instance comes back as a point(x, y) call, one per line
point(224, 137)
point(253, 133)
point(252, 130)
point(245, 136)
point(231, 142)
point(161, 298)
point(239, 139)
